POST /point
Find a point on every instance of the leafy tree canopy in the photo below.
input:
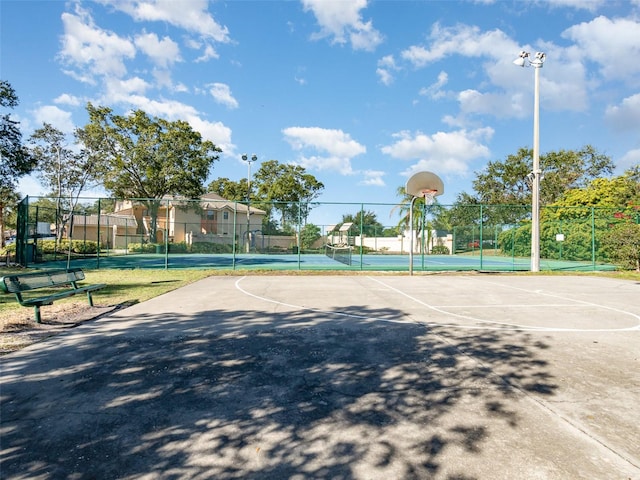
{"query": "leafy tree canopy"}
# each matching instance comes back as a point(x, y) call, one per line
point(148, 157)
point(507, 181)
point(66, 172)
point(229, 189)
point(16, 161)
point(369, 221)
point(622, 192)
point(287, 188)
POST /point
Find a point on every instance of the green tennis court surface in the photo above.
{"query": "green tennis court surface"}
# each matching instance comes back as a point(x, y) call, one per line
point(323, 262)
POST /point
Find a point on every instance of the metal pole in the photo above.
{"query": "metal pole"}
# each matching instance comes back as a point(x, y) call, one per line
point(247, 159)
point(248, 203)
point(411, 236)
point(535, 200)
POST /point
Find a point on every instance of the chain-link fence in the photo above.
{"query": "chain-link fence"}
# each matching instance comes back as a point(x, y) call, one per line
point(222, 234)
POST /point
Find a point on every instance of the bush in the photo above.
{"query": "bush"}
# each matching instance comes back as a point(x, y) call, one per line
point(440, 250)
point(8, 249)
point(84, 247)
point(208, 247)
point(622, 245)
point(142, 248)
point(180, 247)
point(49, 246)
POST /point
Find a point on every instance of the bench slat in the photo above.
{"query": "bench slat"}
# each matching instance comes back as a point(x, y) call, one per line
point(24, 282)
point(49, 299)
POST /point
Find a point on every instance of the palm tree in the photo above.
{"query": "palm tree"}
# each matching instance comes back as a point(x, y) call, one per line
point(421, 209)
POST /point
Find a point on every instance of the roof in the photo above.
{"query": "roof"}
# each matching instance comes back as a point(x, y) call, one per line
point(211, 200)
point(106, 220)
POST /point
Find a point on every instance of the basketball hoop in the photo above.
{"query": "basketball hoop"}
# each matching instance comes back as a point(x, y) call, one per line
point(429, 195)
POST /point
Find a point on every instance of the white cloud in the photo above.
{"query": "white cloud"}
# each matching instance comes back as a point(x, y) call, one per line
point(386, 67)
point(343, 22)
point(217, 132)
point(464, 40)
point(162, 52)
point(629, 159)
point(611, 43)
point(373, 178)
point(192, 15)
point(67, 99)
point(54, 116)
point(91, 50)
point(590, 5)
point(336, 148)
point(434, 90)
point(442, 152)
point(222, 94)
point(625, 116)
point(119, 91)
point(328, 162)
point(209, 53)
point(334, 142)
point(564, 88)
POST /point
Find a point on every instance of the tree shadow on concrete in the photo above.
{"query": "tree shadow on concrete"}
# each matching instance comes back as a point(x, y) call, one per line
point(232, 394)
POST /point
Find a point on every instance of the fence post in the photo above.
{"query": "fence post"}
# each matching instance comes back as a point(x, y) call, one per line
point(166, 236)
point(481, 232)
point(97, 235)
point(361, 234)
point(593, 238)
point(235, 222)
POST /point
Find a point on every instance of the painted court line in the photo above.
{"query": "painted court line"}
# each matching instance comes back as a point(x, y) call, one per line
point(519, 326)
point(486, 324)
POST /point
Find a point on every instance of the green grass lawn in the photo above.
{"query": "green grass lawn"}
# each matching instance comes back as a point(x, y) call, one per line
point(123, 286)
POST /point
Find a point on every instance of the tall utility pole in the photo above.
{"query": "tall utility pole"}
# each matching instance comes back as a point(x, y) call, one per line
point(249, 160)
point(523, 60)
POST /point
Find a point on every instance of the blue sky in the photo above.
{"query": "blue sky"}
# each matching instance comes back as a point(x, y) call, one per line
point(361, 93)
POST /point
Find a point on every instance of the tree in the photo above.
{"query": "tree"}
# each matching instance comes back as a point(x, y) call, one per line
point(229, 189)
point(508, 182)
point(288, 189)
point(66, 173)
point(622, 242)
point(584, 216)
point(148, 158)
point(422, 227)
point(421, 210)
point(308, 235)
point(16, 161)
point(368, 220)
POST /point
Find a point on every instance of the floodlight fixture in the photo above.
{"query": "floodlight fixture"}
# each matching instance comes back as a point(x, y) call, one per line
point(521, 60)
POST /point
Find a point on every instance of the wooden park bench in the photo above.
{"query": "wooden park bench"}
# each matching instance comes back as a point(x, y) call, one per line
point(63, 283)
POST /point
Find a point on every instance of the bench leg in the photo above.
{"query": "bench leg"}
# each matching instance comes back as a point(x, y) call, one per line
point(36, 310)
point(90, 298)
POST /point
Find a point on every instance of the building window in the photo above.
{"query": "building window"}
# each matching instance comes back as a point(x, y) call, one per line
point(225, 215)
point(211, 215)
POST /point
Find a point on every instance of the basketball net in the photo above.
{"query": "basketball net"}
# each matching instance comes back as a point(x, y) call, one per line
point(429, 196)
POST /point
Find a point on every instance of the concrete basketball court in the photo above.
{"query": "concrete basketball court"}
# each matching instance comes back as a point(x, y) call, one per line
point(338, 377)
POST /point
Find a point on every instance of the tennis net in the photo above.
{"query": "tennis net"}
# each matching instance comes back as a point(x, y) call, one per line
point(340, 254)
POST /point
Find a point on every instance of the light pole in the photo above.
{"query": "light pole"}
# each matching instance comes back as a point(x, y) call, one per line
point(523, 60)
point(247, 159)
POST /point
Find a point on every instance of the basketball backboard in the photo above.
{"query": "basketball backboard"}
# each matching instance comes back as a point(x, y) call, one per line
point(421, 183)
